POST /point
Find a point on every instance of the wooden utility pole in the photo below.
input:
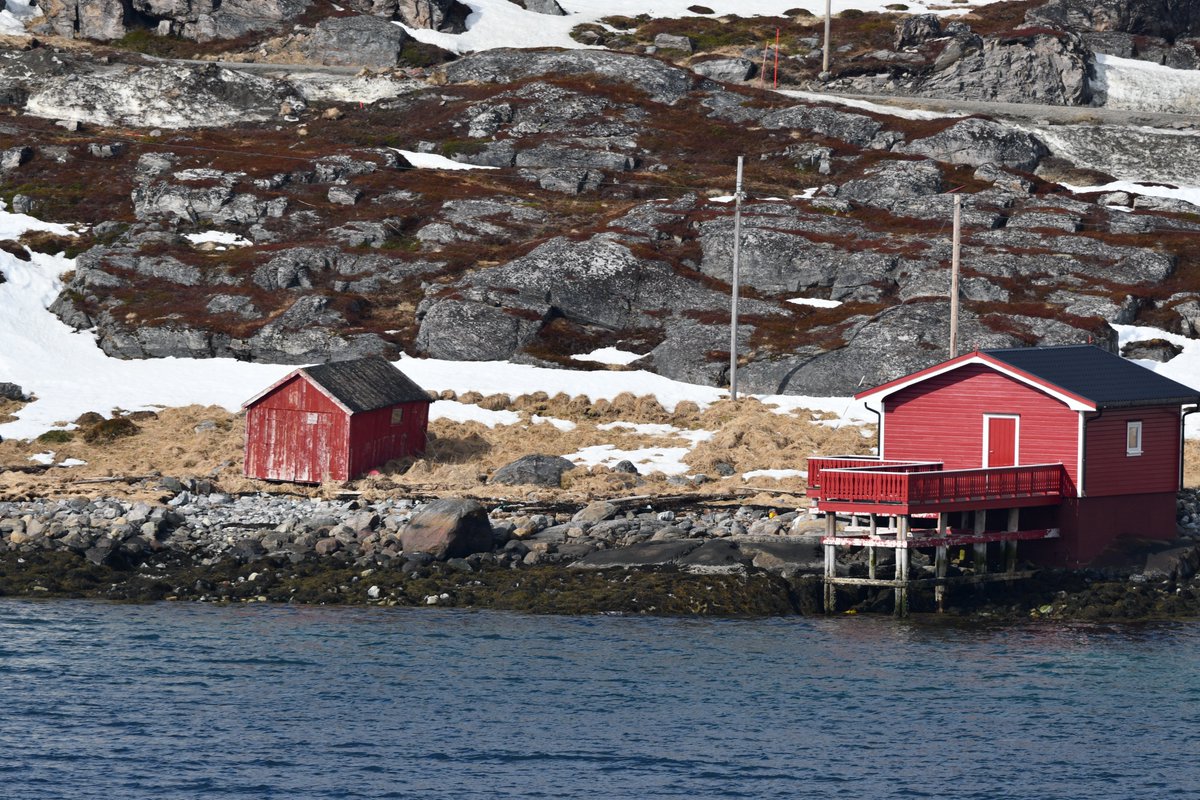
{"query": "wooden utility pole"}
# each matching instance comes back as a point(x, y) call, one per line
point(737, 257)
point(828, 12)
point(954, 259)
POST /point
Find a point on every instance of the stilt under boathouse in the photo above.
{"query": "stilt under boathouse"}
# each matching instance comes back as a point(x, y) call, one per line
point(1062, 449)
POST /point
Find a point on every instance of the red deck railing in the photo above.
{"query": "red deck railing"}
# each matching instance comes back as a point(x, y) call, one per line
point(930, 490)
point(818, 465)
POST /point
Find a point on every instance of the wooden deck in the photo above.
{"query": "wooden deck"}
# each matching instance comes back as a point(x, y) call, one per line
point(870, 486)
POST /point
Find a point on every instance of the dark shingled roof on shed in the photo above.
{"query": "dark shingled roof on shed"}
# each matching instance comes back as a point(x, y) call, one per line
point(365, 384)
point(1097, 375)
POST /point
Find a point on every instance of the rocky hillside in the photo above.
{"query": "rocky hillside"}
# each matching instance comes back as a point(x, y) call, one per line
point(591, 215)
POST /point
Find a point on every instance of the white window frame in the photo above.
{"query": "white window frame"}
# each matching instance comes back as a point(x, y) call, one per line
point(1132, 426)
point(1016, 436)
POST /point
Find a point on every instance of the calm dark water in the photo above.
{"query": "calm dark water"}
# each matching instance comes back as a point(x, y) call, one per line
point(194, 701)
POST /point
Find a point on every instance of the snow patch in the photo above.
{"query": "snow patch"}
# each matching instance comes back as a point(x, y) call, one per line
point(226, 238)
point(1189, 194)
point(455, 411)
point(564, 425)
point(1134, 85)
point(867, 105)
point(434, 161)
point(666, 460)
point(609, 355)
point(777, 474)
point(815, 302)
point(14, 16)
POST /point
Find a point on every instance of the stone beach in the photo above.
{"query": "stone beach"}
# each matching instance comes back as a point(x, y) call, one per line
point(632, 556)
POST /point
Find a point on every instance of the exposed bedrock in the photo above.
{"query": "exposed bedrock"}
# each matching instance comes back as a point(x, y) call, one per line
point(1030, 68)
point(214, 20)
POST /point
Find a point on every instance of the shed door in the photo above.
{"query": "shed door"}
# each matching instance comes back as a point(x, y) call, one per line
point(299, 443)
point(1000, 440)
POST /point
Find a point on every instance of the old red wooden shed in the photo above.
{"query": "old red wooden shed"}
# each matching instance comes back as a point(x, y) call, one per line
point(334, 421)
point(1072, 438)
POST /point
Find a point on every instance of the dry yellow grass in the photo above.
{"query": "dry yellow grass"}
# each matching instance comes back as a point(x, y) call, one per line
point(460, 456)
point(1191, 463)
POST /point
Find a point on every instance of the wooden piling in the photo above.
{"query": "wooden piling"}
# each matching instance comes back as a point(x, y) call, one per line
point(981, 549)
point(939, 590)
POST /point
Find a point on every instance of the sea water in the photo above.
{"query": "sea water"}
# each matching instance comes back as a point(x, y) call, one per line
point(199, 701)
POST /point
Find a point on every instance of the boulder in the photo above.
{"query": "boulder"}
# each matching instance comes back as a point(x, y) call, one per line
point(11, 391)
point(533, 470)
point(103, 20)
point(728, 70)
point(917, 29)
point(366, 41)
point(470, 330)
point(1167, 20)
point(13, 157)
point(1150, 350)
point(598, 511)
point(550, 7)
point(976, 142)
point(671, 41)
point(450, 528)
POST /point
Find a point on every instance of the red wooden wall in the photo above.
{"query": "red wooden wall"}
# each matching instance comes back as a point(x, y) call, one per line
point(374, 440)
point(941, 419)
point(296, 433)
point(1110, 471)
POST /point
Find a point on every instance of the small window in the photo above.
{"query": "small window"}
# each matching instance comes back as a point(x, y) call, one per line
point(1133, 438)
point(397, 416)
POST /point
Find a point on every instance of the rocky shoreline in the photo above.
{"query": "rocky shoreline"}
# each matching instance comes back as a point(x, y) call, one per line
point(626, 557)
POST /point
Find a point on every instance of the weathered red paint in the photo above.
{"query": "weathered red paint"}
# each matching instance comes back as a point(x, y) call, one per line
point(296, 432)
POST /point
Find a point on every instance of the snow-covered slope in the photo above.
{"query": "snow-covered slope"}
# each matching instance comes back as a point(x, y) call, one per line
point(1126, 83)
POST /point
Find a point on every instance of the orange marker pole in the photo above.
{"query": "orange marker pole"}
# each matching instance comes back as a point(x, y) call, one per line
point(777, 58)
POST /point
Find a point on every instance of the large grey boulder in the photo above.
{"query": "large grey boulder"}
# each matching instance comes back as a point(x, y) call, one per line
point(448, 16)
point(917, 29)
point(728, 70)
point(1035, 69)
point(201, 20)
point(450, 528)
point(1162, 18)
point(1031, 68)
point(11, 391)
point(550, 7)
point(365, 41)
point(533, 470)
point(660, 81)
point(473, 330)
point(976, 142)
point(103, 20)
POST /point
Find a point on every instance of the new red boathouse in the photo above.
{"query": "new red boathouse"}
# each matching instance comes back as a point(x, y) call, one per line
point(334, 421)
point(1069, 448)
